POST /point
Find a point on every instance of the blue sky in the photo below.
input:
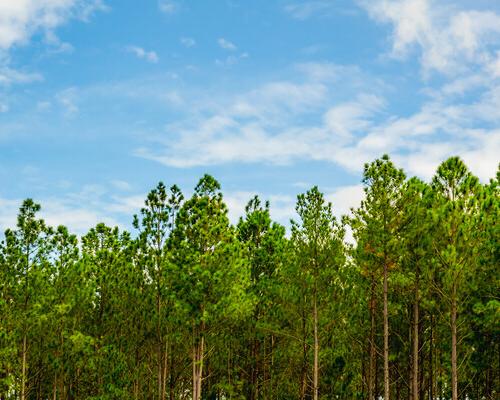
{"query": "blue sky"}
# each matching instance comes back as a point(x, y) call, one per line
point(101, 99)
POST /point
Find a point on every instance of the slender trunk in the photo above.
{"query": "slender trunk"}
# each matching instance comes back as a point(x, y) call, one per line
point(23, 376)
point(54, 388)
point(164, 373)
point(136, 379)
point(172, 380)
point(454, 375)
point(254, 367)
point(159, 350)
point(159, 344)
point(195, 371)
point(371, 371)
point(410, 364)
point(431, 363)
point(415, 388)
point(303, 375)
point(386, 338)
point(271, 369)
point(198, 350)
point(316, 348)
point(200, 369)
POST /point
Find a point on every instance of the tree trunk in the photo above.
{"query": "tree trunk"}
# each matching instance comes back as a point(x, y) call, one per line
point(54, 388)
point(23, 376)
point(164, 373)
point(415, 388)
point(316, 349)
point(303, 375)
point(431, 362)
point(198, 350)
point(372, 366)
point(454, 375)
point(386, 338)
point(159, 351)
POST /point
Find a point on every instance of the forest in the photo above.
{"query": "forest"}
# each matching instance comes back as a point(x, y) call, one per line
point(190, 306)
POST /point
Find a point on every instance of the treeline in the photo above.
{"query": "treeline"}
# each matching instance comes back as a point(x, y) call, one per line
point(192, 307)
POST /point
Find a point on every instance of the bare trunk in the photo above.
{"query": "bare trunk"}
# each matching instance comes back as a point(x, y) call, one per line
point(164, 373)
point(454, 375)
point(200, 369)
point(159, 370)
point(386, 338)
point(54, 388)
point(195, 372)
point(160, 353)
point(372, 366)
point(23, 376)
point(316, 350)
point(198, 350)
point(431, 363)
point(415, 368)
point(303, 375)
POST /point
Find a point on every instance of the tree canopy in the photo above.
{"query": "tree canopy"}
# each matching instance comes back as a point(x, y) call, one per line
point(191, 306)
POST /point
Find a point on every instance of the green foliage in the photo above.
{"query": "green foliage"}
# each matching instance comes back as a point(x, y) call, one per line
point(246, 311)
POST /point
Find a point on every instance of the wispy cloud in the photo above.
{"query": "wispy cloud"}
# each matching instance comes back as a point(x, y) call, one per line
point(67, 98)
point(286, 122)
point(448, 38)
point(306, 9)
point(79, 218)
point(231, 60)
point(19, 20)
point(139, 52)
point(168, 6)
point(277, 123)
point(188, 42)
point(86, 9)
point(10, 76)
point(226, 44)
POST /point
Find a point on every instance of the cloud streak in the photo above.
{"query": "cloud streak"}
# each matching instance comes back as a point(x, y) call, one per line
point(139, 52)
point(277, 124)
point(226, 44)
point(450, 40)
point(20, 20)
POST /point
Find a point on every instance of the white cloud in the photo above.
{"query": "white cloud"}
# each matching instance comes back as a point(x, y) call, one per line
point(67, 98)
point(344, 198)
point(56, 45)
point(305, 9)
point(325, 112)
point(284, 122)
point(127, 205)
point(8, 213)
point(173, 98)
point(139, 52)
point(86, 9)
point(10, 76)
point(43, 105)
point(188, 42)
point(281, 207)
point(450, 40)
point(168, 6)
point(121, 185)
point(230, 60)
point(78, 218)
point(347, 118)
point(20, 19)
point(226, 44)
